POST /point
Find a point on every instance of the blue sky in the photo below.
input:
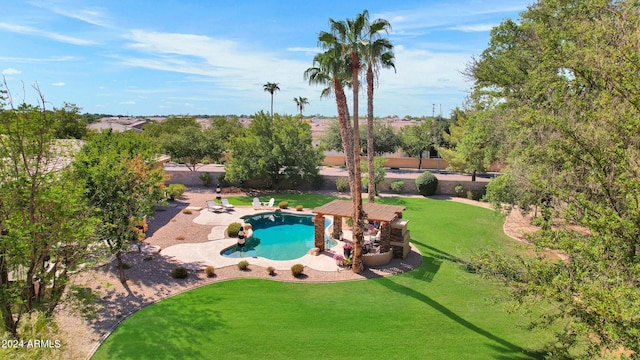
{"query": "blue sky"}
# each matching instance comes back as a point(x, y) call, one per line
point(170, 57)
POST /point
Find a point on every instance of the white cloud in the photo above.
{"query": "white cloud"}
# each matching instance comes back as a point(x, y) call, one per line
point(28, 30)
point(58, 84)
point(474, 28)
point(129, 102)
point(11, 71)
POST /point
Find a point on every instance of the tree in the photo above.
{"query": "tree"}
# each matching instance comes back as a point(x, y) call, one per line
point(300, 103)
point(122, 184)
point(567, 75)
point(344, 42)
point(379, 172)
point(172, 125)
point(416, 140)
point(45, 226)
point(274, 150)
point(191, 146)
point(385, 139)
point(378, 52)
point(69, 123)
point(271, 88)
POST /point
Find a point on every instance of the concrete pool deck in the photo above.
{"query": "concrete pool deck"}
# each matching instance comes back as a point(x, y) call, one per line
point(197, 255)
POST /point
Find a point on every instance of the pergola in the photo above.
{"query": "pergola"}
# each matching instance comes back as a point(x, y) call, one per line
point(384, 214)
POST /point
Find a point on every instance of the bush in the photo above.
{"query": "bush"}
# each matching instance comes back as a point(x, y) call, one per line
point(459, 190)
point(223, 181)
point(474, 195)
point(271, 271)
point(299, 207)
point(206, 178)
point(179, 273)
point(173, 191)
point(283, 204)
point(427, 183)
point(243, 265)
point(397, 186)
point(365, 183)
point(342, 185)
point(297, 270)
point(210, 271)
point(233, 229)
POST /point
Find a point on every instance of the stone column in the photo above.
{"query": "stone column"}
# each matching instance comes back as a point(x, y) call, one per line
point(318, 222)
point(385, 236)
point(337, 227)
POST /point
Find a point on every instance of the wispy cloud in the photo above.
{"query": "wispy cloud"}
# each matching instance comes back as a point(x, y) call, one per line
point(11, 71)
point(38, 60)
point(28, 30)
point(91, 15)
point(129, 102)
point(474, 28)
point(58, 84)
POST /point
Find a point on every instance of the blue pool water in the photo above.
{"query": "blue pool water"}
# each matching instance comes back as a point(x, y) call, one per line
point(277, 236)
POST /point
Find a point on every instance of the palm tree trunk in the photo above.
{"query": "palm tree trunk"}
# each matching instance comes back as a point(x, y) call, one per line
point(370, 152)
point(358, 213)
point(271, 105)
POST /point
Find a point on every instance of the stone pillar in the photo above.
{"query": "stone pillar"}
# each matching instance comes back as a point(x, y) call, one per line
point(385, 236)
point(337, 227)
point(318, 222)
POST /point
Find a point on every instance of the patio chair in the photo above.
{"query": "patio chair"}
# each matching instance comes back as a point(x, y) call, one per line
point(226, 205)
point(212, 206)
point(270, 203)
point(257, 205)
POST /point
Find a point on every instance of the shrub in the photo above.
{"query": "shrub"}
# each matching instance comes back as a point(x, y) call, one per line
point(206, 179)
point(283, 204)
point(210, 271)
point(187, 211)
point(222, 180)
point(278, 210)
point(365, 183)
point(474, 195)
point(233, 229)
point(342, 185)
point(397, 186)
point(173, 191)
point(427, 183)
point(179, 273)
point(459, 190)
point(271, 270)
point(243, 265)
point(299, 207)
point(297, 270)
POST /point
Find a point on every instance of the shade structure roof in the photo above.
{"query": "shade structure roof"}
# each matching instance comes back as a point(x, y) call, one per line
point(376, 212)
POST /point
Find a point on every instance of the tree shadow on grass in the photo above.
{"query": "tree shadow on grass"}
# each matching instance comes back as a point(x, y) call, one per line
point(432, 260)
point(506, 349)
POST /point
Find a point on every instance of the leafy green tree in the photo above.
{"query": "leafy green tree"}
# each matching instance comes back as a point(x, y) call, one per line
point(385, 138)
point(416, 140)
point(300, 103)
point(192, 145)
point(122, 184)
point(45, 227)
point(274, 150)
point(567, 76)
point(172, 125)
point(68, 122)
point(379, 172)
point(271, 88)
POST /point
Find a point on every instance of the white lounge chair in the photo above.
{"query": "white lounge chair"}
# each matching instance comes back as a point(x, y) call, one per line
point(270, 203)
point(226, 205)
point(256, 204)
point(212, 206)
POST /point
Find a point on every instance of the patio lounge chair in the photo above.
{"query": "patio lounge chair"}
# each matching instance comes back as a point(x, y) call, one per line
point(270, 203)
point(226, 205)
point(212, 206)
point(256, 204)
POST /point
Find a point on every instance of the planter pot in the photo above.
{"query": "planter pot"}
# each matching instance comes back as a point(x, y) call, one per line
point(338, 262)
point(347, 252)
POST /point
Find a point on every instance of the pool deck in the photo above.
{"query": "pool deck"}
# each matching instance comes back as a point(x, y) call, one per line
point(197, 255)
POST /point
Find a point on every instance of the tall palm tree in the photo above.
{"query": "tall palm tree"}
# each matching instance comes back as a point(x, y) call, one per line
point(378, 52)
point(271, 88)
point(300, 103)
point(347, 37)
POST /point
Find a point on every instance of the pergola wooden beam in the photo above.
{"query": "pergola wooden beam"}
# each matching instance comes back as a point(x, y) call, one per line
point(375, 212)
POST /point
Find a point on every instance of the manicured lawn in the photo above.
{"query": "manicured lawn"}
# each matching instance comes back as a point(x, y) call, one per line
point(438, 311)
point(307, 201)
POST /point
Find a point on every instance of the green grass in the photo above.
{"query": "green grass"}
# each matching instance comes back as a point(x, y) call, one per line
point(308, 201)
point(438, 311)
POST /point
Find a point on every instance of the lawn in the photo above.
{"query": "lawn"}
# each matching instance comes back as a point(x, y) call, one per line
point(438, 311)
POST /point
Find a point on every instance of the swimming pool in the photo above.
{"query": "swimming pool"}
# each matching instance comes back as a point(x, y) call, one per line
point(278, 236)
